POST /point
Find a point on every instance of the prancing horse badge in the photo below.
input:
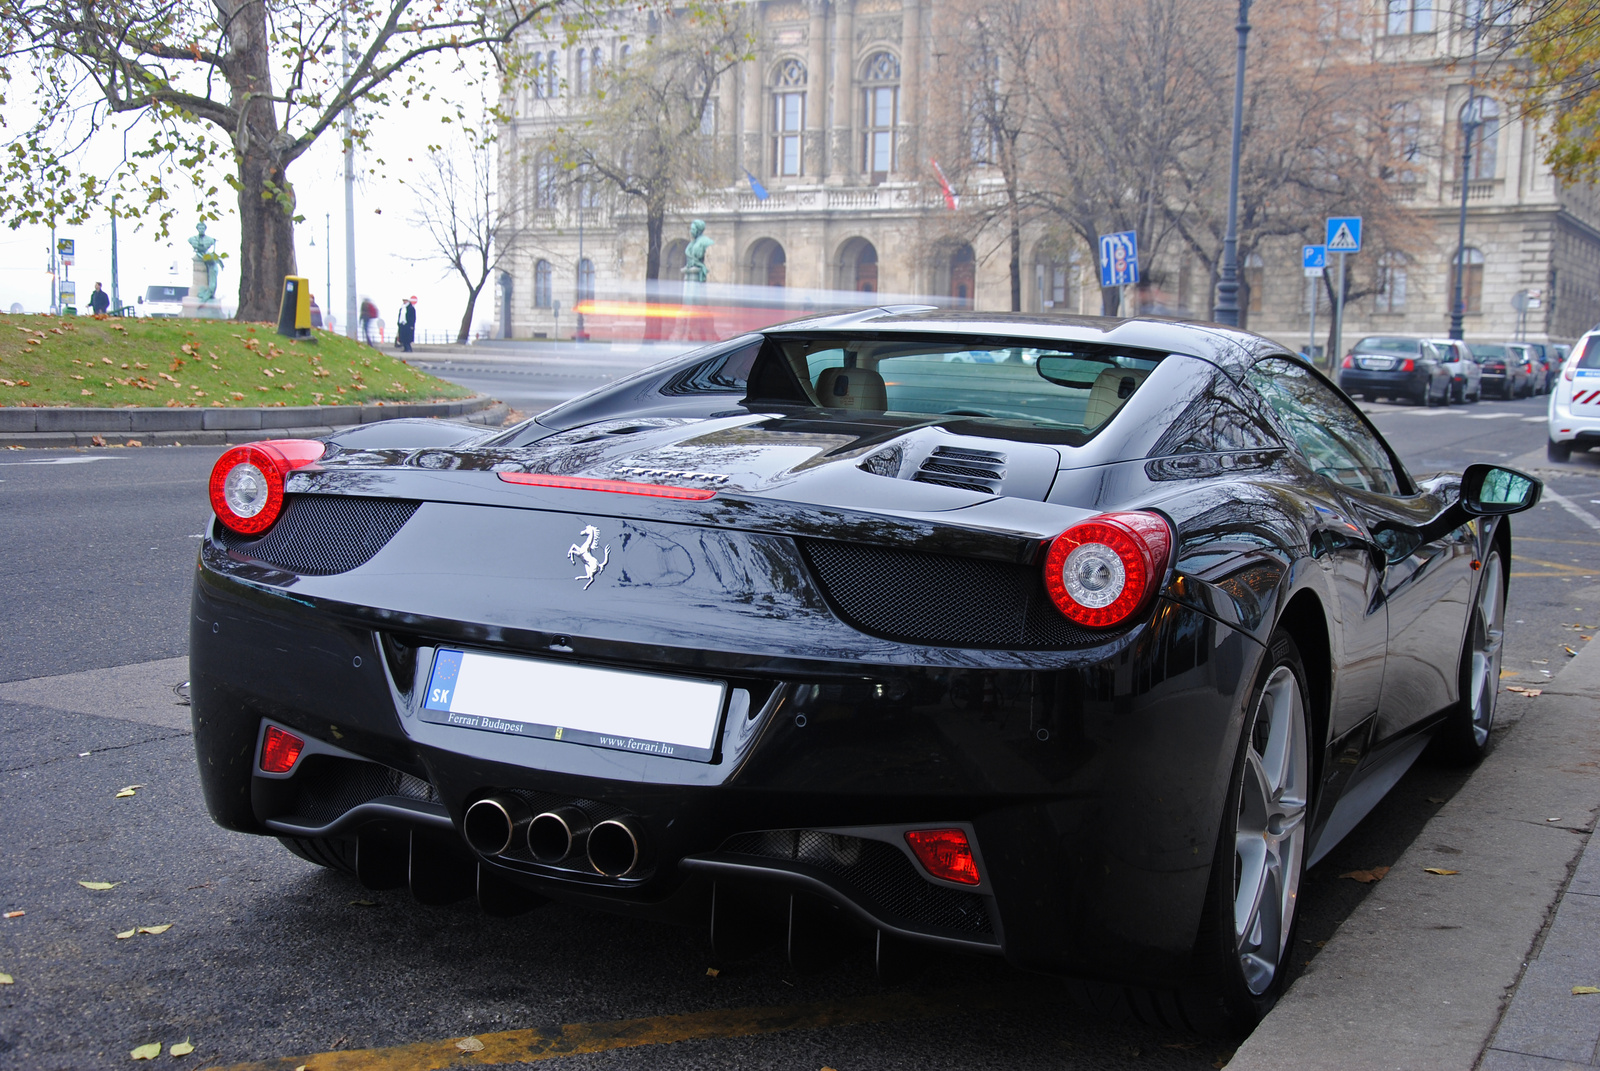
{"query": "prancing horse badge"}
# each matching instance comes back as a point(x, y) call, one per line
point(584, 548)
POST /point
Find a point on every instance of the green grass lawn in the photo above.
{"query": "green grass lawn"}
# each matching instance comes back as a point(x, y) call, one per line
point(99, 361)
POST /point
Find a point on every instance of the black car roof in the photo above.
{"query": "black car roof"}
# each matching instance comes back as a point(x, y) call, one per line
point(1232, 349)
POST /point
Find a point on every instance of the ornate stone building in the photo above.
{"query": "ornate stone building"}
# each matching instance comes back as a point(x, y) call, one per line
point(828, 117)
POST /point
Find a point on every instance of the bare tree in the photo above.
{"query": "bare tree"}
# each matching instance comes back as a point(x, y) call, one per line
point(649, 132)
point(470, 226)
point(247, 84)
point(985, 129)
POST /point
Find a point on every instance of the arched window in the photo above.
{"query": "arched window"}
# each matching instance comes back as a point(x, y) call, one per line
point(552, 74)
point(1411, 16)
point(1391, 296)
point(585, 279)
point(769, 265)
point(880, 113)
point(580, 83)
point(788, 117)
point(1471, 267)
point(1482, 117)
point(595, 58)
point(622, 54)
point(1255, 281)
point(545, 176)
point(588, 189)
point(543, 277)
point(1405, 140)
point(1055, 277)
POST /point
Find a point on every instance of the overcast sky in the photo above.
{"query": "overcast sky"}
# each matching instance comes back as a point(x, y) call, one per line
point(382, 240)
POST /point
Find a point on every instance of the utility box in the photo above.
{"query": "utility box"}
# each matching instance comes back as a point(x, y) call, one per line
point(294, 313)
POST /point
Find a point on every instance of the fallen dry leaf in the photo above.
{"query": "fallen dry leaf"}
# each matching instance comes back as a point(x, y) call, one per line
point(712, 972)
point(1552, 819)
point(6, 979)
point(363, 903)
point(163, 928)
point(99, 886)
point(1439, 870)
point(1570, 652)
point(1585, 990)
point(1367, 877)
point(128, 791)
point(98, 440)
point(470, 1045)
point(147, 1052)
point(1515, 688)
point(1436, 799)
point(1529, 693)
point(15, 914)
point(125, 934)
point(182, 1048)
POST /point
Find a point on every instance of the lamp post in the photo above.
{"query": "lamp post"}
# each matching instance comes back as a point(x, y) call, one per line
point(1227, 310)
point(351, 316)
point(1470, 121)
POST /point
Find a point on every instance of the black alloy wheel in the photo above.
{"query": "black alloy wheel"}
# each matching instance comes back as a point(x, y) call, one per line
point(1247, 932)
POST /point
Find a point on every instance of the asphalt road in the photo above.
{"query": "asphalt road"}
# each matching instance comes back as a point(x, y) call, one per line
point(271, 957)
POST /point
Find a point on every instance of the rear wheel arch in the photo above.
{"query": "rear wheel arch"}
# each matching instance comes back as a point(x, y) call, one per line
point(1307, 622)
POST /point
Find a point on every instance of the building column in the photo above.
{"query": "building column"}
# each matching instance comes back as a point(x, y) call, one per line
point(750, 129)
point(816, 89)
point(841, 147)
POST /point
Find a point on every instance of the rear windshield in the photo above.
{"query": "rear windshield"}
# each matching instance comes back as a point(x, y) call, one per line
point(1485, 350)
point(166, 293)
point(1069, 386)
point(1588, 353)
point(1382, 344)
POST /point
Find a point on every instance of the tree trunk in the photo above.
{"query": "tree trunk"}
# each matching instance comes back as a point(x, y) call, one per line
point(1016, 255)
point(266, 239)
point(465, 331)
point(266, 202)
point(1110, 300)
point(655, 224)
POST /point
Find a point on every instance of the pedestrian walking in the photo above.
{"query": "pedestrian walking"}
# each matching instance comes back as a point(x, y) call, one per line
point(369, 313)
point(407, 329)
point(99, 301)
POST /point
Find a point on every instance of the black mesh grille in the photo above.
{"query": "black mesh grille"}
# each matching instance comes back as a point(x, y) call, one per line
point(930, 598)
point(319, 535)
point(877, 873)
point(330, 786)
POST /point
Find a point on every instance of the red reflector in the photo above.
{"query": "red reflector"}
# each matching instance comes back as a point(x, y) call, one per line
point(944, 853)
point(620, 487)
point(280, 750)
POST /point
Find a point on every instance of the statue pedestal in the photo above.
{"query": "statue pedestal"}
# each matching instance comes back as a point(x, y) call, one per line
point(193, 307)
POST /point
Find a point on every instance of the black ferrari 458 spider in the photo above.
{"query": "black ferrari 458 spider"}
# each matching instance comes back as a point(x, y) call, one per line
point(1072, 641)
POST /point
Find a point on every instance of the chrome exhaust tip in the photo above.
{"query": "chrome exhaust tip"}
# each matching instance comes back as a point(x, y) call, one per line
point(493, 824)
point(616, 846)
point(558, 834)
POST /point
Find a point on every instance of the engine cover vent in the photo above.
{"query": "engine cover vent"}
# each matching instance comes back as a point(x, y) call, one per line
point(970, 470)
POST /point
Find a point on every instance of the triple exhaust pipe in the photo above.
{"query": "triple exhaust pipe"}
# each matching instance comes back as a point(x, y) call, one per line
point(496, 824)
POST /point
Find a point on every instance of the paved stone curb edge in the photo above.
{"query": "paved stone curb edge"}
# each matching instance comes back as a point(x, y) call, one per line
point(154, 427)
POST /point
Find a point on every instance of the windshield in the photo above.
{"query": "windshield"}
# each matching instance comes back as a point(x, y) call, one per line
point(1070, 386)
point(1379, 344)
point(166, 293)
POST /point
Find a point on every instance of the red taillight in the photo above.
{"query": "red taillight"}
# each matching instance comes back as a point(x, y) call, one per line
point(1349, 361)
point(621, 487)
point(280, 750)
point(1100, 572)
point(247, 481)
point(1407, 364)
point(945, 853)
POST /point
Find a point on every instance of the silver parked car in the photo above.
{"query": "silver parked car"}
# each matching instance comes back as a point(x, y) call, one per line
point(1466, 377)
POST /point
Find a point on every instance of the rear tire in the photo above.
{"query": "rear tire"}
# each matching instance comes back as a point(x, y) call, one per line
point(335, 854)
point(1247, 928)
point(1463, 738)
point(1555, 451)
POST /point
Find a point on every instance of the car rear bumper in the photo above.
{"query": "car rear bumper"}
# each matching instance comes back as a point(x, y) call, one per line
point(1567, 426)
point(1092, 789)
point(1364, 381)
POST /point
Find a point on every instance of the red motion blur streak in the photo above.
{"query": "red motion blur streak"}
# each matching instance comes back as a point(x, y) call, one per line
point(945, 853)
point(620, 487)
point(280, 750)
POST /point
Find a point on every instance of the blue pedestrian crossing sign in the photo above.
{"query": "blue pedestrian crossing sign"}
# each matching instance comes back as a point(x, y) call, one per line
point(1119, 259)
point(1344, 234)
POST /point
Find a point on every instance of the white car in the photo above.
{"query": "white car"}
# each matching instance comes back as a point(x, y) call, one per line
point(1575, 401)
point(1466, 378)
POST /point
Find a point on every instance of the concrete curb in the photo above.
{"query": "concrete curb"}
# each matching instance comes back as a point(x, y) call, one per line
point(160, 427)
point(1419, 975)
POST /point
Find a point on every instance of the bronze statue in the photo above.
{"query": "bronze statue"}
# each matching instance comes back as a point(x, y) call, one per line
point(694, 256)
point(204, 256)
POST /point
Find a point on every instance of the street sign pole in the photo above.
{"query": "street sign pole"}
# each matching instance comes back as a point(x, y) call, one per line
point(1338, 317)
point(1311, 346)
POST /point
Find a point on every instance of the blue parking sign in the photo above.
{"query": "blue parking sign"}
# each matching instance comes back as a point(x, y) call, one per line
point(1119, 259)
point(1313, 257)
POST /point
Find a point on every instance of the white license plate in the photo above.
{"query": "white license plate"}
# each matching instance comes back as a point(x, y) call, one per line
point(646, 713)
point(1377, 364)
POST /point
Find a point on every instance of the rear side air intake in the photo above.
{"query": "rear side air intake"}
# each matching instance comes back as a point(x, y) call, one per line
point(970, 470)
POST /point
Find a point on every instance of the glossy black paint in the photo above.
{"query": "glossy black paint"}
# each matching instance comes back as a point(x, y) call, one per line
point(1092, 775)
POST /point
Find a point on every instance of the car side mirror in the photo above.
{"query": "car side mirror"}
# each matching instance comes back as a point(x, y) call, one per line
point(1492, 491)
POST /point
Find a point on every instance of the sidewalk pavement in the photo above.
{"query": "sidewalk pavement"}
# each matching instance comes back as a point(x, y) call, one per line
point(1445, 970)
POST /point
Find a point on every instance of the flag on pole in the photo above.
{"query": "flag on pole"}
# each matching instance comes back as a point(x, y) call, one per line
point(755, 187)
point(949, 196)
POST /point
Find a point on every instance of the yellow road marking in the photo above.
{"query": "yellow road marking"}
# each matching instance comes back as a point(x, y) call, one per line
point(1555, 568)
point(527, 1046)
point(1547, 539)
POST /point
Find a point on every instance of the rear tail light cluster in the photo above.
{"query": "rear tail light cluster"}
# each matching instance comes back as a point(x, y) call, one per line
point(280, 750)
point(1102, 572)
point(945, 853)
point(247, 481)
point(1407, 365)
point(1349, 361)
